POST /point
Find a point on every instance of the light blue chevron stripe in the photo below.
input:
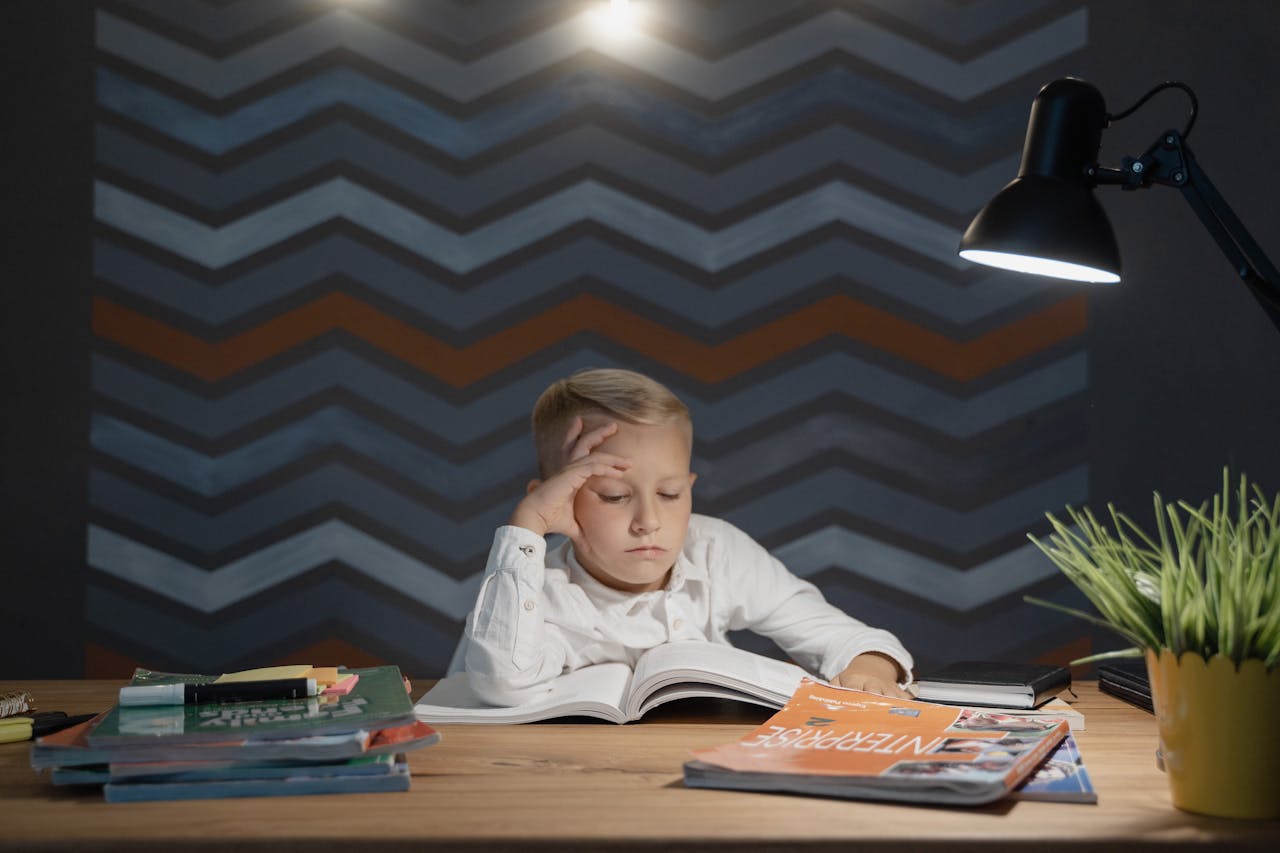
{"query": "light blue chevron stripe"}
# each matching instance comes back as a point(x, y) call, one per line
point(319, 488)
point(923, 520)
point(224, 21)
point(210, 591)
point(216, 247)
point(959, 418)
point(473, 194)
point(474, 21)
point(839, 30)
point(333, 607)
point(457, 480)
point(421, 646)
point(962, 24)
point(706, 23)
point(545, 48)
point(214, 417)
point(328, 485)
point(563, 267)
point(1018, 627)
point(827, 94)
point(959, 24)
point(459, 423)
point(478, 21)
point(940, 469)
point(913, 574)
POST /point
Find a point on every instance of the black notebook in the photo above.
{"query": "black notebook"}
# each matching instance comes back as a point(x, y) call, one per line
point(993, 684)
point(1127, 680)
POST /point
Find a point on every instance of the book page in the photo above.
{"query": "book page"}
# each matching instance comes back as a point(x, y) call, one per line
point(593, 691)
point(695, 662)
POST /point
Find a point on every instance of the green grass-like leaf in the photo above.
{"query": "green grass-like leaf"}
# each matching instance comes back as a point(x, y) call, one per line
point(1208, 581)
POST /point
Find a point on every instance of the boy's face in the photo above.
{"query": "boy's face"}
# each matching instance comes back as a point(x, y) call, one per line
point(633, 527)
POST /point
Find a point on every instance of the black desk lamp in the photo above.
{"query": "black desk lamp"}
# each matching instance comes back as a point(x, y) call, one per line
point(1047, 221)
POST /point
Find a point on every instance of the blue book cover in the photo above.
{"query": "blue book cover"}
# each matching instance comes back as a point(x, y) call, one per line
point(290, 786)
point(221, 771)
point(1062, 777)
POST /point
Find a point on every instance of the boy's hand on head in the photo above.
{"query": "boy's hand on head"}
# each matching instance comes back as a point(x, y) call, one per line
point(548, 507)
point(874, 673)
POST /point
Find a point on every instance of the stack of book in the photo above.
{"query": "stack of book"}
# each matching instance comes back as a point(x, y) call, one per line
point(835, 742)
point(351, 737)
point(1127, 680)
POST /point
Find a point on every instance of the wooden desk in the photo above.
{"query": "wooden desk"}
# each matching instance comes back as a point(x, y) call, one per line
point(599, 786)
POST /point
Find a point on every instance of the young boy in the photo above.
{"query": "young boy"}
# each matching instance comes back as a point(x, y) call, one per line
point(638, 568)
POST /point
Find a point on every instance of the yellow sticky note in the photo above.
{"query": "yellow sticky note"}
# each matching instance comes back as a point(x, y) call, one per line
point(325, 675)
point(266, 673)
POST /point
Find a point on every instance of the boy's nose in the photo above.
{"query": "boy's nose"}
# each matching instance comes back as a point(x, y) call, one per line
point(646, 521)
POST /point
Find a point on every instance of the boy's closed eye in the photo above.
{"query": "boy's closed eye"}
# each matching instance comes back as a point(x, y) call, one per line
point(619, 497)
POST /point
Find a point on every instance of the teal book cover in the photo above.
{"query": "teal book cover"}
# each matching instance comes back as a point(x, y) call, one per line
point(378, 700)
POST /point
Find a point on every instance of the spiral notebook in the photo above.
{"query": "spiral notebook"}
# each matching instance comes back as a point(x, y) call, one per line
point(12, 704)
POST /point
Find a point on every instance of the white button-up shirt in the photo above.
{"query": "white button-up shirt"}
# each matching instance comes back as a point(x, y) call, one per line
point(540, 614)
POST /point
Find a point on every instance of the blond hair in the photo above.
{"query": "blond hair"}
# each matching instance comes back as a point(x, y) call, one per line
point(619, 394)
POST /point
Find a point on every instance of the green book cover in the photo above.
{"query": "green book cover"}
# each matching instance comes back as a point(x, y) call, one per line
point(379, 700)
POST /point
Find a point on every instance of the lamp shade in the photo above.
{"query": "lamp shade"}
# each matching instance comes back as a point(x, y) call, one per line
point(1047, 220)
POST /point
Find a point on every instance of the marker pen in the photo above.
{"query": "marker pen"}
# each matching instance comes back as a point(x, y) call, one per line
point(203, 694)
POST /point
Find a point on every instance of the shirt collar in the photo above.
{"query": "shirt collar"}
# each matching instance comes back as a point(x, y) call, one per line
point(683, 573)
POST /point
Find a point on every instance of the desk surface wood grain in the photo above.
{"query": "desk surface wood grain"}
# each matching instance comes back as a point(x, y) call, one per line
point(589, 785)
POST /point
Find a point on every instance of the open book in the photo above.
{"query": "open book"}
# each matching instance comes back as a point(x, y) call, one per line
point(612, 691)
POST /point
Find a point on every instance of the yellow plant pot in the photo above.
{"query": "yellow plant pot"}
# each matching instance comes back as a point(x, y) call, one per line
point(1219, 733)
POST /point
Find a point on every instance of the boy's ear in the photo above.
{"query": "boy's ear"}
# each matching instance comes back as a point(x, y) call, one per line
point(693, 478)
point(531, 485)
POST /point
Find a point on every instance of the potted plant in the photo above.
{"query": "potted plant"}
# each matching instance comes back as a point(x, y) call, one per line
point(1200, 600)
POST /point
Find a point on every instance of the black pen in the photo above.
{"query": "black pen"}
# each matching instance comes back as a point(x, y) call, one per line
point(210, 693)
point(38, 724)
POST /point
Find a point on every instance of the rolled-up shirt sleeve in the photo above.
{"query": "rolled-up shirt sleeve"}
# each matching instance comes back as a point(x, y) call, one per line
point(510, 651)
point(765, 597)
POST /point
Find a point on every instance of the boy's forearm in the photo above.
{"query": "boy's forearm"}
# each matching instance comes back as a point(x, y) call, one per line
point(528, 519)
point(508, 648)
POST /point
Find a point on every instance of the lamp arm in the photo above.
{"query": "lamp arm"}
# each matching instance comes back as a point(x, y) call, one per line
point(1170, 162)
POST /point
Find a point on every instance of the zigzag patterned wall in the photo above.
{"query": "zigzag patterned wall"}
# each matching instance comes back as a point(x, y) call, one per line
point(342, 246)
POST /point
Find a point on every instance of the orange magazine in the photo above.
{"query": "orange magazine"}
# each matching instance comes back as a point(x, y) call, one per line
point(846, 743)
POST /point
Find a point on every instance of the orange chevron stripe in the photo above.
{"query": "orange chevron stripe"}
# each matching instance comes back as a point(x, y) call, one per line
point(1062, 655)
point(330, 651)
point(835, 315)
point(102, 662)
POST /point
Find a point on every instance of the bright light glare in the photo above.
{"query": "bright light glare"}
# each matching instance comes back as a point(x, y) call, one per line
point(615, 18)
point(1040, 266)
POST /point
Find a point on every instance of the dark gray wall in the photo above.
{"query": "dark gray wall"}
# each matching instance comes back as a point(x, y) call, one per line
point(1184, 364)
point(45, 205)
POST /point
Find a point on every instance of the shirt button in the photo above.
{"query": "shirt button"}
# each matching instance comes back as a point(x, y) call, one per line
point(529, 605)
point(527, 550)
point(676, 624)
